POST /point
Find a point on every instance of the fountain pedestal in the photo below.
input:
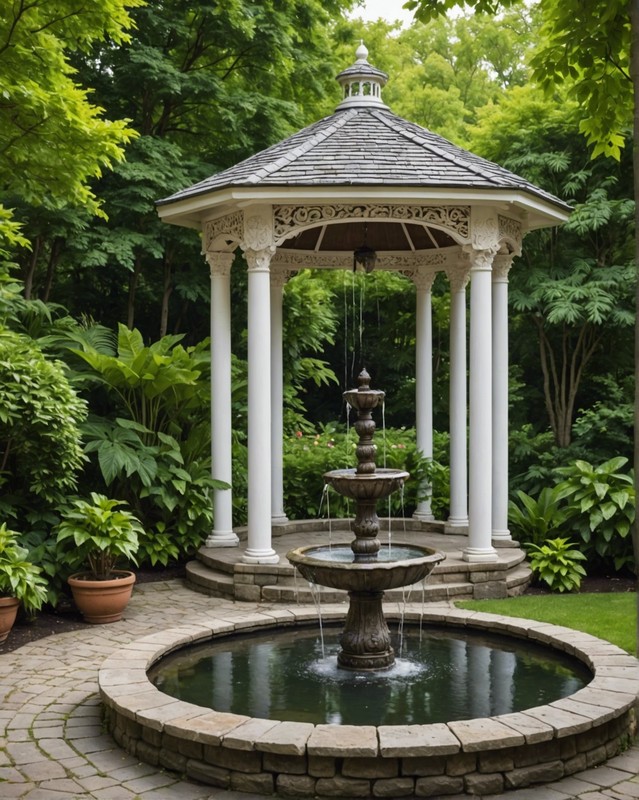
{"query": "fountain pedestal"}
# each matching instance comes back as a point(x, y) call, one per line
point(365, 641)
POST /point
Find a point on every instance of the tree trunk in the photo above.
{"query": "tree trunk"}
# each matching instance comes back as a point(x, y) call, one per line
point(33, 261)
point(54, 257)
point(133, 285)
point(634, 72)
point(166, 295)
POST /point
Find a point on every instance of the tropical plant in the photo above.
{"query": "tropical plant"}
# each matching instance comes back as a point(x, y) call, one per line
point(533, 521)
point(556, 563)
point(19, 577)
point(600, 506)
point(97, 534)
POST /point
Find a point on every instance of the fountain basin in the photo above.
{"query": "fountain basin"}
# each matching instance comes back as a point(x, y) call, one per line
point(366, 487)
point(475, 756)
point(336, 567)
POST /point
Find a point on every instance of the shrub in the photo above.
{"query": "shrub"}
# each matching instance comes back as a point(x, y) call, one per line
point(600, 506)
point(555, 563)
point(535, 520)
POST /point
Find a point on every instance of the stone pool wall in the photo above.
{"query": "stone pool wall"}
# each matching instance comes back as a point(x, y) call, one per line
point(476, 757)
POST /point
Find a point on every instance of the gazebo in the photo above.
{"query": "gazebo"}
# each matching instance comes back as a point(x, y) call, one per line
point(365, 184)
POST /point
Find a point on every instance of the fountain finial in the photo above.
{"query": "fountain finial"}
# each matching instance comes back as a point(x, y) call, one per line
point(363, 381)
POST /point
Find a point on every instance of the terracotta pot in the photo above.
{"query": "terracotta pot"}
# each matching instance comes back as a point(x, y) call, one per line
point(102, 601)
point(8, 612)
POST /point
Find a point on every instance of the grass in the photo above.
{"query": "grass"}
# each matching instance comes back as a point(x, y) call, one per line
point(608, 616)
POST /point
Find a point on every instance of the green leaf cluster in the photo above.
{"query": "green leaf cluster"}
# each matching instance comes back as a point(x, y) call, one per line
point(40, 414)
point(97, 533)
point(19, 577)
point(600, 505)
point(556, 563)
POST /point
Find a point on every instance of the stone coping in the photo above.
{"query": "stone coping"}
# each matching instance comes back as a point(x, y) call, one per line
point(613, 691)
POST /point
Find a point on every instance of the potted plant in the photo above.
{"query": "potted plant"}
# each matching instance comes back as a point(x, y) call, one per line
point(97, 534)
point(20, 581)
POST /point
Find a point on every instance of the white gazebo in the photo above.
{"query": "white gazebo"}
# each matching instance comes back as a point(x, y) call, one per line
point(420, 205)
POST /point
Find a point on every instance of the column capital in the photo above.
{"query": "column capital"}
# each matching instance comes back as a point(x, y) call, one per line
point(422, 278)
point(280, 277)
point(501, 267)
point(459, 275)
point(220, 263)
point(259, 260)
point(480, 260)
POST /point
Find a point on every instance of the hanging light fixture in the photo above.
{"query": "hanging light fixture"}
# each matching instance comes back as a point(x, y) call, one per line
point(365, 256)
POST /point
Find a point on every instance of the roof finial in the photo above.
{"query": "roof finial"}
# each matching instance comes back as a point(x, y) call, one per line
point(361, 54)
point(362, 83)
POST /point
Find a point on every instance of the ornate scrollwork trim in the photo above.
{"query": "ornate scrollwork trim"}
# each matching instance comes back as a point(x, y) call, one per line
point(230, 227)
point(289, 218)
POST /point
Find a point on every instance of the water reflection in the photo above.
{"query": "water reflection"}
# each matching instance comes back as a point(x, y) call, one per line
point(442, 676)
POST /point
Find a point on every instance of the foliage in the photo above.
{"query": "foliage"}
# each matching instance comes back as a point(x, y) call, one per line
point(533, 521)
point(97, 533)
point(307, 456)
point(40, 414)
point(152, 448)
point(46, 117)
point(601, 507)
point(18, 576)
point(555, 563)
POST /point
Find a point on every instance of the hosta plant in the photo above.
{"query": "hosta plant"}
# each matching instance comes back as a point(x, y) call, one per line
point(556, 563)
point(97, 534)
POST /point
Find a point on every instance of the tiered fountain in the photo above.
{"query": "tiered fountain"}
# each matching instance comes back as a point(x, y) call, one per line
point(364, 568)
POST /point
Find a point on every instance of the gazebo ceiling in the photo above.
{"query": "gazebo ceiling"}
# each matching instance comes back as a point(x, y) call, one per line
point(380, 236)
point(363, 153)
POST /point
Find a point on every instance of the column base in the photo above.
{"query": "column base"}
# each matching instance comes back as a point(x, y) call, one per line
point(222, 539)
point(279, 519)
point(501, 536)
point(423, 515)
point(456, 525)
point(260, 557)
point(477, 555)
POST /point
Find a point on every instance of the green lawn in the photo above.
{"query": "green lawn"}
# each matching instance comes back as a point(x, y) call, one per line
point(609, 616)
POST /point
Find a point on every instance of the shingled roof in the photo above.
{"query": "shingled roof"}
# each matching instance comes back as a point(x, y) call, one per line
point(364, 144)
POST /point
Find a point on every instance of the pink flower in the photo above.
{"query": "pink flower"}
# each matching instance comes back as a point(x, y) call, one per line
point(299, 434)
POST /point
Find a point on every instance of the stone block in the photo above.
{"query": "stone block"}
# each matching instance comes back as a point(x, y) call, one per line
point(257, 782)
point(250, 593)
point(568, 747)
point(191, 749)
point(293, 765)
point(172, 759)
point(417, 740)
point(438, 786)
point(152, 737)
point(240, 760)
point(495, 761)
point(565, 723)
point(424, 766)
point(393, 787)
point(491, 590)
point(484, 733)
point(208, 774)
point(339, 786)
point(286, 737)
point(461, 764)
point(244, 736)
point(575, 764)
point(591, 739)
point(208, 728)
point(534, 730)
point(321, 766)
point(148, 753)
point(343, 741)
point(370, 767)
point(295, 785)
point(596, 756)
point(476, 783)
point(538, 773)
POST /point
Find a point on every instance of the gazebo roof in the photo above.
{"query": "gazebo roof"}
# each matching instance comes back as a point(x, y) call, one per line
point(362, 150)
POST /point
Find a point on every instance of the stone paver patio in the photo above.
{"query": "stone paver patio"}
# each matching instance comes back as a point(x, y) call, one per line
point(52, 742)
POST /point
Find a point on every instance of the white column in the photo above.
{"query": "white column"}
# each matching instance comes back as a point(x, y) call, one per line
point(501, 266)
point(458, 517)
point(424, 382)
point(259, 550)
point(278, 515)
point(480, 410)
point(222, 534)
